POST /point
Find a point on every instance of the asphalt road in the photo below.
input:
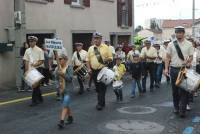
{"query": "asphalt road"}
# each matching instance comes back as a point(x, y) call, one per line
point(147, 114)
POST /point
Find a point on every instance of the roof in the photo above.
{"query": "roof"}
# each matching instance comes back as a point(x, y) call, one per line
point(187, 23)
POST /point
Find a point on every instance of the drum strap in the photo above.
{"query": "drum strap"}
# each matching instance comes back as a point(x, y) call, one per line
point(98, 55)
point(178, 49)
point(78, 56)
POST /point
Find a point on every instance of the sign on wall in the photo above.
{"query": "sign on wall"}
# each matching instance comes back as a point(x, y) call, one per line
point(54, 44)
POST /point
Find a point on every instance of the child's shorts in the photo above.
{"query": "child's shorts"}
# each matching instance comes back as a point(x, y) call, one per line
point(66, 101)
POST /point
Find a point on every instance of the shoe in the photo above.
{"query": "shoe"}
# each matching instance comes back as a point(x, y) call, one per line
point(69, 120)
point(33, 104)
point(88, 89)
point(182, 115)
point(80, 92)
point(176, 111)
point(99, 108)
point(188, 108)
point(132, 96)
point(195, 94)
point(45, 85)
point(21, 90)
point(61, 124)
point(157, 85)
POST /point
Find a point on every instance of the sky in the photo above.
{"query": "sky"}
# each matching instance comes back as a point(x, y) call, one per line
point(164, 9)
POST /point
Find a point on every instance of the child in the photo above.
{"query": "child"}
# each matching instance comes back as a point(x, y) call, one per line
point(119, 70)
point(65, 75)
point(136, 71)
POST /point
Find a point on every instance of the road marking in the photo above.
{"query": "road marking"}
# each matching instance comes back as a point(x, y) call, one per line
point(188, 130)
point(23, 99)
point(196, 119)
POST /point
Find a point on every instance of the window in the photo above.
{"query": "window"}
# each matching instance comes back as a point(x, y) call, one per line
point(76, 2)
point(124, 13)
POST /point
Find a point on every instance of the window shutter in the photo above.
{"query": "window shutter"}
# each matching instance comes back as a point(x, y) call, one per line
point(130, 13)
point(67, 2)
point(86, 3)
point(119, 13)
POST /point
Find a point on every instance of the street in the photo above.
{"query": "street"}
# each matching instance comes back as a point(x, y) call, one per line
point(147, 114)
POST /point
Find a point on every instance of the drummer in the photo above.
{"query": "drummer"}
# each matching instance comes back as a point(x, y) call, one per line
point(34, 57)
point(98, 54)
point(79, 58)
point(180, 96)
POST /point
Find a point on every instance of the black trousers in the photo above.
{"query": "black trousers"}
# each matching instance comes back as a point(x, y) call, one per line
point(47, 74)
point(147, 67)
point(36, 94)
point(80, 81)
point(100, 88)
point(180, 96)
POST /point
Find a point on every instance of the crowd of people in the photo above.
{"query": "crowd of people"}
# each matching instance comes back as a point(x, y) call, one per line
point(151, 59)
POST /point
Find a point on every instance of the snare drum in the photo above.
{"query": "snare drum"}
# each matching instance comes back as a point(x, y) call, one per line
point(191, 82)
point(81, 71)
point(33, 77)
point(117, 84)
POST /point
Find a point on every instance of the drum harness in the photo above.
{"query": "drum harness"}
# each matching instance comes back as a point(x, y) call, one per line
point(182, 72)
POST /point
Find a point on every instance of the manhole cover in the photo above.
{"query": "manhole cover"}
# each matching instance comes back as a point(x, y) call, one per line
point(165, 104)
point(135, 126)
point(137, 110)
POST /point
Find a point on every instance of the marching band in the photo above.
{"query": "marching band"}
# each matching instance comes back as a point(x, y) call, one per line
point(105, 66)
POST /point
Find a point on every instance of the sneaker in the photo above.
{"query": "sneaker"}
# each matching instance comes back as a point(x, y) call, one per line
point(195, 94)
point(45, 85)
point(61, 124)
point(69, 120)
point(33, 104)
point(182, 115)
point(188, 108)
point(99, 108)
point(132, 96)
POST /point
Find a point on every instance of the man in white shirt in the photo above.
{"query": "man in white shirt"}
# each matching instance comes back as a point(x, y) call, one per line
point(148, 55)
point(80, 58)
point(34, 57)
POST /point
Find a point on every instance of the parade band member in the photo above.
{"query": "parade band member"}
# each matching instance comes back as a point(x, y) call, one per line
point(79, 58)
point(64, 73)
point(165, 45)
point(98, 54)
point(158, 69)
point(148, 55)
point(119, 70)
point(34, 57)
point(180, 53)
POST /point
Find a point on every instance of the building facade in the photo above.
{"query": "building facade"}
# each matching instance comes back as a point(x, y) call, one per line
point(70, 20)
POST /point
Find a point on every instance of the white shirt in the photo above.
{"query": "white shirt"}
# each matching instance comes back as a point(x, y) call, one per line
point(112, 49)
point(131, 53)
point(33, 55)
point(84, 57)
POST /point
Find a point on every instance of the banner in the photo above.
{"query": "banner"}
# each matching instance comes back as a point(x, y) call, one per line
point(54, 44)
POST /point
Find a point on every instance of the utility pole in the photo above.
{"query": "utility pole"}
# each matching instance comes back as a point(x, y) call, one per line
point(193, 18)
point(20, 37)
point(133, 19)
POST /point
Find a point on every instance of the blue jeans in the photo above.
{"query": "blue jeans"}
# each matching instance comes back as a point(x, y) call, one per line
point(134, 83)
point(158, 72)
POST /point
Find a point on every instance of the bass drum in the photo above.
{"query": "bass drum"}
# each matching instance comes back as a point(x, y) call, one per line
point(106, 76)
point(33, 77)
